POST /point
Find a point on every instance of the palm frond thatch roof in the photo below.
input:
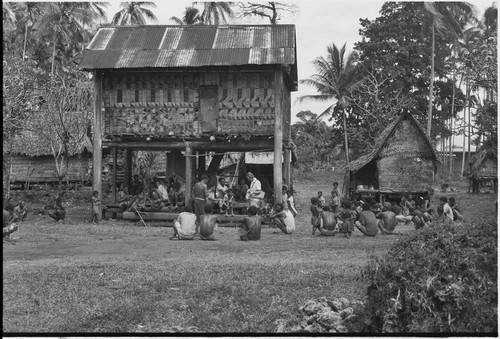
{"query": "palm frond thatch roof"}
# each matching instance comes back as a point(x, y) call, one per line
point(477, 160)
point(384, 136)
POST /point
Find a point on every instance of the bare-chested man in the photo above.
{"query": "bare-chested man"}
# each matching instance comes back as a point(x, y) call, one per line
point(327, 222)
point(200, 194)
point(208, 223)
point(251, 227)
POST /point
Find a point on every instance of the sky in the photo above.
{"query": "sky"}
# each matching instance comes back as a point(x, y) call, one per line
point(318, 23)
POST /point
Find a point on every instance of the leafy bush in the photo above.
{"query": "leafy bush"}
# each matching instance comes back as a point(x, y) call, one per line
point(441, 279)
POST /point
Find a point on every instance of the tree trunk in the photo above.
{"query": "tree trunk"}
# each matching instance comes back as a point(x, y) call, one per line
point(451, 124)
point(467, 94)
point(345, 137)
point(431, 85)
point(53, 55)
point(25, 40)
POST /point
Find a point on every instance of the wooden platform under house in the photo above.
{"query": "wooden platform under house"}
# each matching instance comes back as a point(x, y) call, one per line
point(190, 90)
point(403, 160)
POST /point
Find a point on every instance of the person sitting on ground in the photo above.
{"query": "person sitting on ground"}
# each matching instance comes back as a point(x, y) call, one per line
point(58, 212)
point(321, 199)
point(419, 219)
point(185, 225)
point(447, 211)
point(176, 197)
point(95, 207)
point(374, 206)
point(251, 227)
point(283, 219)
point(367, 223)
point(346, 218)
point(8, 227)
point(457, 214)
point(153, 197)
point(387, 219)
point(405, 207)
point(162, 193)
point(208, 223)
point(327, 222)
point(255, 195)
point(315, 212)
point(137, 186)
point(398, 210)
point(410, 202)
point(20, 212)
point(124, 200)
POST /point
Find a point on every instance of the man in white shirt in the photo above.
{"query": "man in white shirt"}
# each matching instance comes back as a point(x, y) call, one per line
point(283, 219)
point(254, 193)
point(185, 225)
point(447, 211)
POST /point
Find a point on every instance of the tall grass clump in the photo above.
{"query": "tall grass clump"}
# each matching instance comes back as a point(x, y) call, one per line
point(441, 279)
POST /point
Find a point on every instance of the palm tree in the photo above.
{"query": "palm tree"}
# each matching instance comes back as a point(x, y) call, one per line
point(334, 79)
point(442, 17)
point(134, 13)
point(65, 23)
point(215, 12)
point(191, 17)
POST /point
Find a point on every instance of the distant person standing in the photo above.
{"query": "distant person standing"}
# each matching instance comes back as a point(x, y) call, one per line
point(95, 207)
point(200, 194)
point(335, 202)
point(315, 213)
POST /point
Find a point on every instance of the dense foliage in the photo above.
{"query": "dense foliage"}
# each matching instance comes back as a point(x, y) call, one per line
point(441, 279)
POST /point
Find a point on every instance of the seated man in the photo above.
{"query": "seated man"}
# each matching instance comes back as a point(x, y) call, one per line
point(58, 211)
point(20, 212)
point(327, 222)
point(185, 225)
point(400, 217)
point(251, 227)
point(387, 219)
point(283, 219)
point(162, 193)
point(7, 228)
point(367, 223)
point(208, 223)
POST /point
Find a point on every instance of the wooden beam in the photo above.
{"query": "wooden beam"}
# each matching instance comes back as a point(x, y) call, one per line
point(128, 168)
point(278, 137)
point(233, 146)
point(189, 172)
point(97, 140)
point(115, 165)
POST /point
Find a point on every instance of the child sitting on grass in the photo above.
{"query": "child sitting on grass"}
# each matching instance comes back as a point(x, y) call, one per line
point(457, 214)
point(315, 213)
point(283, 219)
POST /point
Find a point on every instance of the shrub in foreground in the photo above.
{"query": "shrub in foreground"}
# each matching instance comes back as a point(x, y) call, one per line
point(440, 279)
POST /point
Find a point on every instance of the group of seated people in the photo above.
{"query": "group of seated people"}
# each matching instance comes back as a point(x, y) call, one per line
point(154, 196)
point(371, 217)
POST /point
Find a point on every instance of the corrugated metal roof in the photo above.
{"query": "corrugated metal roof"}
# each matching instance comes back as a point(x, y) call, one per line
point(190, 46)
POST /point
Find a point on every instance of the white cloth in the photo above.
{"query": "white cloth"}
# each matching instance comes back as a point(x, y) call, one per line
point(447, 211)
point(186, 224)
point(289, 221)
point(255, 187)
point(162, 191)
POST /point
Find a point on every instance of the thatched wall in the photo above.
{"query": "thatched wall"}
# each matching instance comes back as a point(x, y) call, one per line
point(169, 103)
point(405, 162)
point(43, 169)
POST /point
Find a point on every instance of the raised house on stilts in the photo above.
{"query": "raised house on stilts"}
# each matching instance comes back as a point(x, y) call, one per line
point(190, 90)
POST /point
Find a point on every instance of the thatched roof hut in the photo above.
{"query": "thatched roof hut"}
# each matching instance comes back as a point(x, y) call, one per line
point(403, 160)
point(484, 164)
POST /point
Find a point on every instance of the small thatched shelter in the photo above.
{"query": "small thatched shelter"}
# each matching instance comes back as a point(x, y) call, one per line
point(402, 161)
point(483, 168)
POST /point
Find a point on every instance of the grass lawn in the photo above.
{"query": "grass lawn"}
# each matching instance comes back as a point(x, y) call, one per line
point(121, 277)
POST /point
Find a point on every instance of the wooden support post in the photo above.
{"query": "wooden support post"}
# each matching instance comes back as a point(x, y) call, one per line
point(189, 172)
point(287, 159)
point(202, 161)
point(278, 137)
point(128, 168)
point(97, 142)
point(115, 165)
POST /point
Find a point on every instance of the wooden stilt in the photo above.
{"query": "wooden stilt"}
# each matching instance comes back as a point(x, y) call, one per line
point(115, 165)
point(189, 173)
point(97, 142)
point(278, 137)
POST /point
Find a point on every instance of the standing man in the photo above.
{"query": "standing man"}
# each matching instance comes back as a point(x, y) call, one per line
point(254, 193)
point(200, 194)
